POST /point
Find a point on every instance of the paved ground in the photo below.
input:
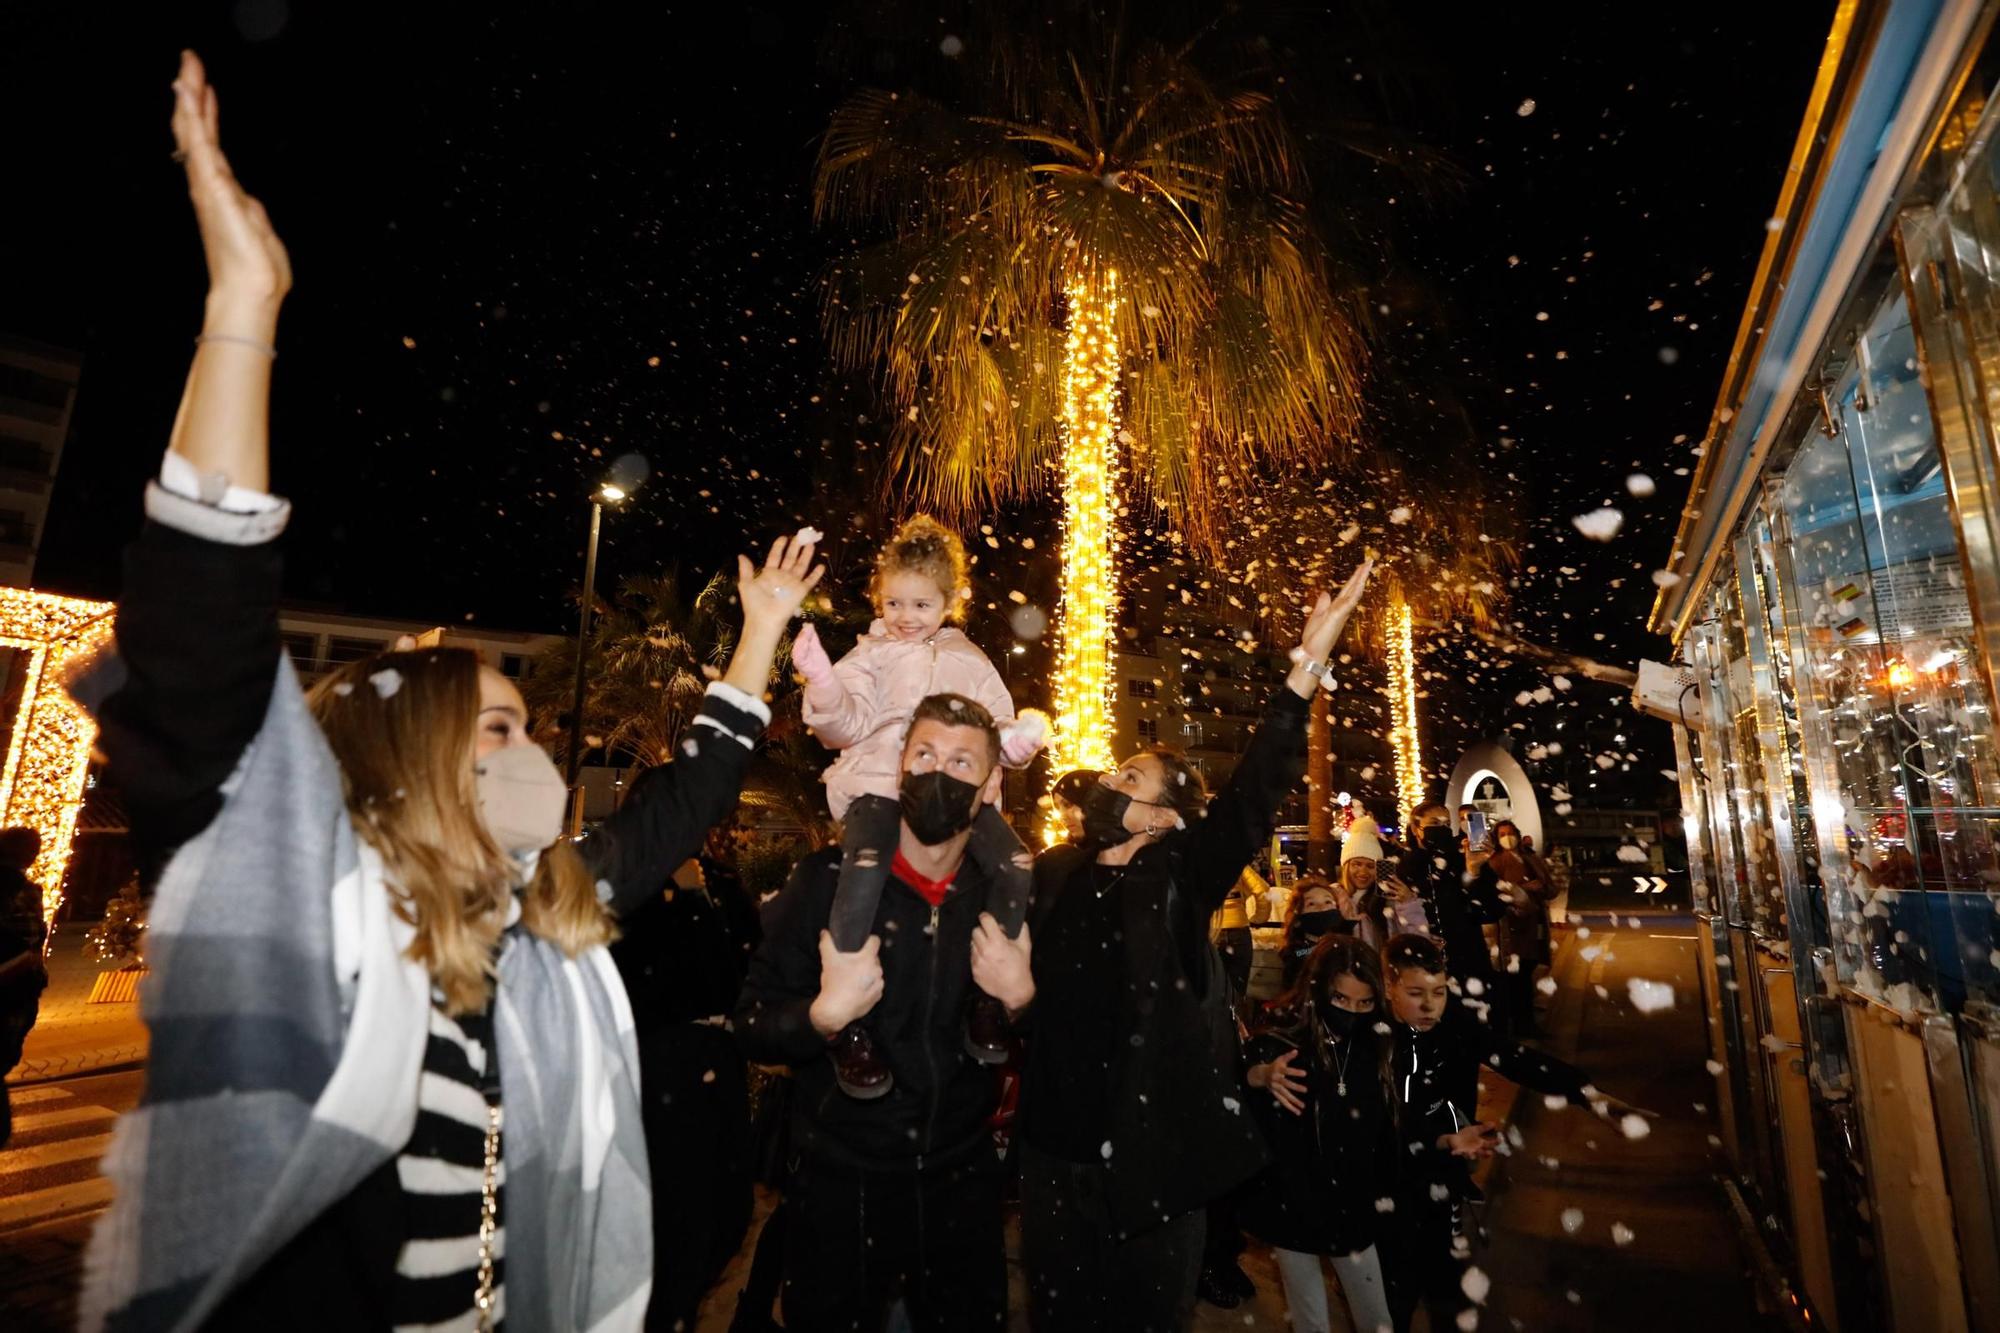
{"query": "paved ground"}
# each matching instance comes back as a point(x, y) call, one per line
point(1678, 1270)
point(71, 1035)
point(51, 1193)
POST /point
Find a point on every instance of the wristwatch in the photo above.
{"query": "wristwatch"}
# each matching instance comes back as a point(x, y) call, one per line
point(1321, 672)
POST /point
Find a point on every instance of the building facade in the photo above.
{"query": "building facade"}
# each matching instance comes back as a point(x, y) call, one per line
point(37, 392)
point(1834, 592)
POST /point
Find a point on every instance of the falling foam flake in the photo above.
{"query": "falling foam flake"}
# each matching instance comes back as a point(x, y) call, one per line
point(386, 682)
point(1649, 997)
point(1572, 1220)
point(1400, 514)
point(1475, 1284)
point(1640, 485)
point(1527, 107)
point(1600, 525)
point(1635, 1127)
point(1621, 1234)
point(809, 536)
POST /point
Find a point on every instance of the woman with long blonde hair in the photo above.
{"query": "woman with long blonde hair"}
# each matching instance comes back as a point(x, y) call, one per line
point(392, 1079)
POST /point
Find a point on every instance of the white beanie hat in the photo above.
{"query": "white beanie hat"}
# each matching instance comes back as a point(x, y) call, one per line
point(1363, 840)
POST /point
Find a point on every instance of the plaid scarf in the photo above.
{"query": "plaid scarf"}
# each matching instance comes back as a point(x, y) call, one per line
point(288, 1028)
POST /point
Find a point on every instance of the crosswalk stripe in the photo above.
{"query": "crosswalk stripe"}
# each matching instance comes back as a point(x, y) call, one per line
point(59, 1201)
point(60, 1117)
point(17, 1160)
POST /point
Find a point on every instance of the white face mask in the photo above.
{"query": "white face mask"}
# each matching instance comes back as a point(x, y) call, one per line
point(1509, 841)
point(521, 798)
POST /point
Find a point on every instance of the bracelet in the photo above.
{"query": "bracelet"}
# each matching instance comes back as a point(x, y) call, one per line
point(263, 347)
point(1320, 671)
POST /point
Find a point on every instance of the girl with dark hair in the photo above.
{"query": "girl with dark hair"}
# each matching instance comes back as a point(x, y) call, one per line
point(1323, 1056)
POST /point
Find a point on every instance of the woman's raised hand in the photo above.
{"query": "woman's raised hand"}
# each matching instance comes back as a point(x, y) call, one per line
point(247, 263)
point(773, 595)
point(1324, 623)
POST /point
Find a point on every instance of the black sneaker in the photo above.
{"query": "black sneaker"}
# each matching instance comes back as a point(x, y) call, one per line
point(860, 1071)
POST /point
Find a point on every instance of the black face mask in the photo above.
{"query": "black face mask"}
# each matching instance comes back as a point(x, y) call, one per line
point(1319, 923)
point(937, 807)
point(1340, 1022)
point(1104, 816)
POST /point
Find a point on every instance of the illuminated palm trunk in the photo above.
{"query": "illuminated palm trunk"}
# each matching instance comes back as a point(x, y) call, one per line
point(1401, 633)
point(1090, 534)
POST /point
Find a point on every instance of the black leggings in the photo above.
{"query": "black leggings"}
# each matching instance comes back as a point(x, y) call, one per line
point(868, 844)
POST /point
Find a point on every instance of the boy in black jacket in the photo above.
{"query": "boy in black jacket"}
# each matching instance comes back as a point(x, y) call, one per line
point(901, 1193)
point(1440, 1044)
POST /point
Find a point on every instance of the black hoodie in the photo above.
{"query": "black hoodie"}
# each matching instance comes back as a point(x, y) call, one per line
point(937, 1111)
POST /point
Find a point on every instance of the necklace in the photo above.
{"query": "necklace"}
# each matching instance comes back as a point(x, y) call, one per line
point(1345, 1054)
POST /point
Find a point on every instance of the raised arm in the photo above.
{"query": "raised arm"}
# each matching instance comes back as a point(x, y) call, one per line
point(839, 697)
point(672, 809)
point(197, 629)
point(1243, 814)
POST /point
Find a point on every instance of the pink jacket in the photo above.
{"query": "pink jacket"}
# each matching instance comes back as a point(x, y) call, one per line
point(883, 680)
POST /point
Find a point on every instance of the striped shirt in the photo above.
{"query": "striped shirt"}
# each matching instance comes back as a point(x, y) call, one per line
point(442, 1170)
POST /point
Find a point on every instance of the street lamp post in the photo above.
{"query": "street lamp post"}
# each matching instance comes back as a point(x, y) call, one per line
point(607, 494)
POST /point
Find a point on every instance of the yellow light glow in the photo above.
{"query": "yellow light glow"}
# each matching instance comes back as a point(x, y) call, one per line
point(1402, 655)
point(1090, 535)
point(48, 754)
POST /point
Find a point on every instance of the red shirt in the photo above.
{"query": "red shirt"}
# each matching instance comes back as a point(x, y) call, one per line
point(933, 890)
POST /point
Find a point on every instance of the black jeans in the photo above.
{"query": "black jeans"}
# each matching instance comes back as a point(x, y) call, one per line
point(1080, 1275)
point(868, 840)
point(857, 1239)
point(1425, 1255)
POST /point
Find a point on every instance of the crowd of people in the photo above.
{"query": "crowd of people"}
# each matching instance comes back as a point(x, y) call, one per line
point(420, 1061)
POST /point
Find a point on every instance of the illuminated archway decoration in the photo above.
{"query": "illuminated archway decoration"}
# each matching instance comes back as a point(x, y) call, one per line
point(48, 748)
point(1488, 762)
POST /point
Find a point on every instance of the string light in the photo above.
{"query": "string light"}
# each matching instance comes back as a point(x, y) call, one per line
point(1402, 655)
point(48, 753)
point(1090, 540)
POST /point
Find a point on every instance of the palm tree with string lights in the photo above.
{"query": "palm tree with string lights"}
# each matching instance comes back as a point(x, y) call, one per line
point(1093, 272)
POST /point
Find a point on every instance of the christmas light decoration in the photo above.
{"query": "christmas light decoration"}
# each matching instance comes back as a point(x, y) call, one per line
point(1402, 663)
point(48, 750)
point(1090, 539)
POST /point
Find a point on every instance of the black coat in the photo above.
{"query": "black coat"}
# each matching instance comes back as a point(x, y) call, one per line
point(937, 1112)
point(1435, 1075)
point(1179, 1136)
point(1458, 911)
point(1335, 1162)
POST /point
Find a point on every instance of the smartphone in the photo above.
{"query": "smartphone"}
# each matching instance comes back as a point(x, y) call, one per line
point(1475, 827)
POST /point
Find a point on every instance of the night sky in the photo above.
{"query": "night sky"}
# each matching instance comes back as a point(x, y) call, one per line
point(530, 239)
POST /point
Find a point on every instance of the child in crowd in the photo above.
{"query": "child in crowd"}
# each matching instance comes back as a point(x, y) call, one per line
point(1439, 1045)
point(861, 706)
point(1322, 1053)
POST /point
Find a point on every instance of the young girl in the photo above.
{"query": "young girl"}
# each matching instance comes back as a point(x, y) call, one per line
point(1329, 1123)
point(1358, 890)
point(393, 1079)
point(1312, 914)
point(861, 706)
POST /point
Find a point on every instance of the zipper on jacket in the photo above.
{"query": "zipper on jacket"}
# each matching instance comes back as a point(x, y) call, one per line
point(930, 1045)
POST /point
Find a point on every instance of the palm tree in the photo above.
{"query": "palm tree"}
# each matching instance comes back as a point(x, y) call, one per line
point(648, 648)
point(1095, 264)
